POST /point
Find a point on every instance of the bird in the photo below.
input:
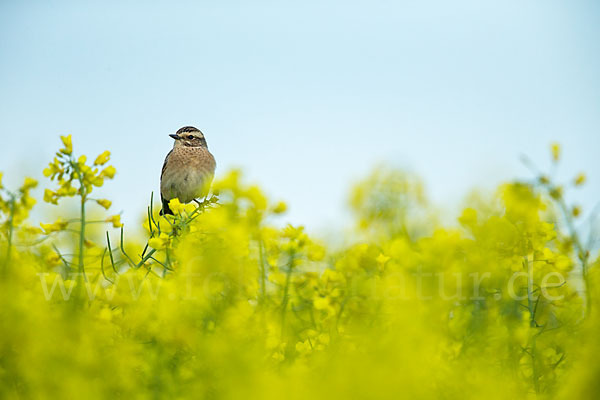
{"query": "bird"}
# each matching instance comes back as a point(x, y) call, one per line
point(188, 170)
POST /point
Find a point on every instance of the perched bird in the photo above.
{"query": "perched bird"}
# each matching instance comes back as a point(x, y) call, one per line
point(188, 169)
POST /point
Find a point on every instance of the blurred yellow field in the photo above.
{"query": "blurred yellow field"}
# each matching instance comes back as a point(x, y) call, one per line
point(220, 302)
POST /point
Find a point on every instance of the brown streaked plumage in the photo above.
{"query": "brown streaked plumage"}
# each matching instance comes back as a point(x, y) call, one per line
point(188, 169)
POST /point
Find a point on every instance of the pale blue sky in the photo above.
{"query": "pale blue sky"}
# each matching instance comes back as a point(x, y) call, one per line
point(305, 96)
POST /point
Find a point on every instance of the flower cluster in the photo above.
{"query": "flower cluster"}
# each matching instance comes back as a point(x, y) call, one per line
point(16, 206)
point(74, 176)
point(77, 178)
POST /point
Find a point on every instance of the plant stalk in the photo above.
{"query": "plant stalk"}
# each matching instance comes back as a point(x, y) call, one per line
point(11, 229)
point(82, 239)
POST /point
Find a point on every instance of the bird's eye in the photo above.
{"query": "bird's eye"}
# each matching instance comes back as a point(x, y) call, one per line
point(190, 137)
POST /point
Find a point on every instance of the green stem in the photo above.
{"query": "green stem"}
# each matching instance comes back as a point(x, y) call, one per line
point(582, 253)
point(531, 306)
point(535, 376)
point(263, 286)
point(284, 301)
point(82, 238)
point(146, 258)
point(11, 229)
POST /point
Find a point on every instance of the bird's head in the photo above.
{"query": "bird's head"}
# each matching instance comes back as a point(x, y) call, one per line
point(189, 136)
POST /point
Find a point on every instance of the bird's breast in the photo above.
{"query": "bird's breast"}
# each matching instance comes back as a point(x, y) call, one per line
point(187, 176)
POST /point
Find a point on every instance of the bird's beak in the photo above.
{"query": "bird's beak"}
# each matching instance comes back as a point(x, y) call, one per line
point(174, 136)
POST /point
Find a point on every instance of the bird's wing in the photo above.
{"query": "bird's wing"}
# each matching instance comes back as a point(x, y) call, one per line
point(165, 204)
point(165, 164)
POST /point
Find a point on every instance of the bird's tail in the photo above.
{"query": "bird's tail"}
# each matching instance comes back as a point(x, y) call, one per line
point(165, 207)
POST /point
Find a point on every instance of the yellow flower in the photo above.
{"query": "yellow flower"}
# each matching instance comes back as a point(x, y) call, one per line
point(57, 226)
point(277, 277)
point(50, 196)
point(102, 158)
point(160, 242)
point(62, 191)
point(231, 181)
point(315, 252)
point(176, 206)
point(81, 160)
point(97, 181)
point(330, 275)
point(28, 201)
point(547, 231)
point(555, 148)
point(576, 211)
point(321, 303)
point(115, 220)
point(468, 217)
point(324, 338)
point(292, 232)
point(563, 263)
point(109, 172)
point(31, 230)
point(580, 179)
point(104, 203)
point(68, 143)
point(548, 255)
point(303, 347)
point(55, 167)
point(85, 169)
point(105, 314)
point(29, 183)
point(53, 259)
point(556, 193)
point(1, 180)
point(382, 259)
point(280, 208)
point(257, 198)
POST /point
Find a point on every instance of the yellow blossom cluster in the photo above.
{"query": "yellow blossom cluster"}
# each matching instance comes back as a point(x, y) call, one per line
point(16, 206)
point(77, 178)
point(67, 171)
